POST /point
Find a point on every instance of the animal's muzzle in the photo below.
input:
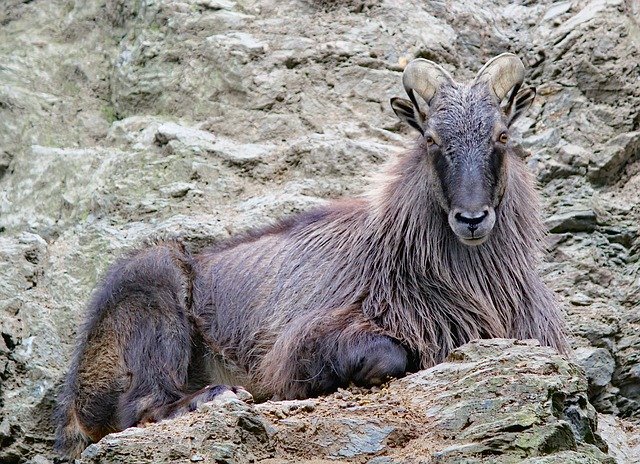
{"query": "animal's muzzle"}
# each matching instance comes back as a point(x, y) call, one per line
point(472, 226)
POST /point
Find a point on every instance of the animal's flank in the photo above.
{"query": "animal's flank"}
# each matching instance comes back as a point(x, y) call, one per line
point(360, 290)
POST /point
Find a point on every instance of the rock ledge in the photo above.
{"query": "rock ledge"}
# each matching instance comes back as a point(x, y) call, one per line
point(499, 401)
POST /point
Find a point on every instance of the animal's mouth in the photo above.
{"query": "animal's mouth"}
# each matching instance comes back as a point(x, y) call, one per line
point(475, 241)
point(472, 228)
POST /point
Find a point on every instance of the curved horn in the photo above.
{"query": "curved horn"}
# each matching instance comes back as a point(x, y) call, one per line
point(502, 73)
point(425, 78)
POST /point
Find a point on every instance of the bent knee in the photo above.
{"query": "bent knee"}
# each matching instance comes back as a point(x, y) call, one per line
point(377, 361)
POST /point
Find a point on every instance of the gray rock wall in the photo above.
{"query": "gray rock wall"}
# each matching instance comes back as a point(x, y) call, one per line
point(126, 121)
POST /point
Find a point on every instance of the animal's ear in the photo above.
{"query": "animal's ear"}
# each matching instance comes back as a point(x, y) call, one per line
point(406, 112)
point(519, 102)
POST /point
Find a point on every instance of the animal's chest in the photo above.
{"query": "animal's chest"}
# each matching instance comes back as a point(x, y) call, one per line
point(431, 317)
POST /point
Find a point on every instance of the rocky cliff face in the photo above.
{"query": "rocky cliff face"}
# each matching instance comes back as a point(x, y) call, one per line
point(126, 121)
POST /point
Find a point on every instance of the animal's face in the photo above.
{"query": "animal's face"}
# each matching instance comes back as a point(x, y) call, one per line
point(466, 138)
point(465, 141)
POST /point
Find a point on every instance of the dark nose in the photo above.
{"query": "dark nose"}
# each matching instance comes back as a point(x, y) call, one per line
point(471, 218)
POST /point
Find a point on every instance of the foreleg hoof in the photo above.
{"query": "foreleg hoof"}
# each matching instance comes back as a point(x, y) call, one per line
point(376, 361)
point(193, 401)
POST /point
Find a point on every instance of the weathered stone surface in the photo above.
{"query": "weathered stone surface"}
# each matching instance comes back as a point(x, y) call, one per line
point(572, 221)
point(495, 401)
point(598, 365)
point(123, 122)
point(608, 164)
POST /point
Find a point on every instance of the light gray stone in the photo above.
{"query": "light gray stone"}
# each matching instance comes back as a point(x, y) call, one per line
point(597, 363)
point(572, 221)
point(124, 122)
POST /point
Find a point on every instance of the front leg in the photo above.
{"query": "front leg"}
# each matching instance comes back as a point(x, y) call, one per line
point(371, 359)
point(323, 352)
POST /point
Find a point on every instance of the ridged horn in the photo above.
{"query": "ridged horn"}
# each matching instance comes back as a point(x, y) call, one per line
point(424, 77)
point(502, 73)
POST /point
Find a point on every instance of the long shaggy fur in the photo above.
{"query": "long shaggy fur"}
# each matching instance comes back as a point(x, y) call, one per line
point(388, 264)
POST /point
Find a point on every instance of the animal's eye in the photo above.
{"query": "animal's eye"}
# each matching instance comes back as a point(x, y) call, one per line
point(504, 137)
point(430, 140)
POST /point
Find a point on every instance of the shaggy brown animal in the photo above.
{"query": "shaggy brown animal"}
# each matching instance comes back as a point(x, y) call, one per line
point(443, 251)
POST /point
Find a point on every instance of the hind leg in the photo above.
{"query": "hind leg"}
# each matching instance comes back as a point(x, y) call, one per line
point(193, 401)
point(134, 352)
point(135, 346)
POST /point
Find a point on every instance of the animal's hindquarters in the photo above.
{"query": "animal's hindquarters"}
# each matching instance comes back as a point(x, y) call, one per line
point(135, 349)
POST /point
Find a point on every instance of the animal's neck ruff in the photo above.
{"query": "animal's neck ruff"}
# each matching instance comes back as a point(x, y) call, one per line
point(427, 284)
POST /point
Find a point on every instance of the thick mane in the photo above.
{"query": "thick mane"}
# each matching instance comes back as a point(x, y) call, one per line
point(434, 292)
point(393, 259)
